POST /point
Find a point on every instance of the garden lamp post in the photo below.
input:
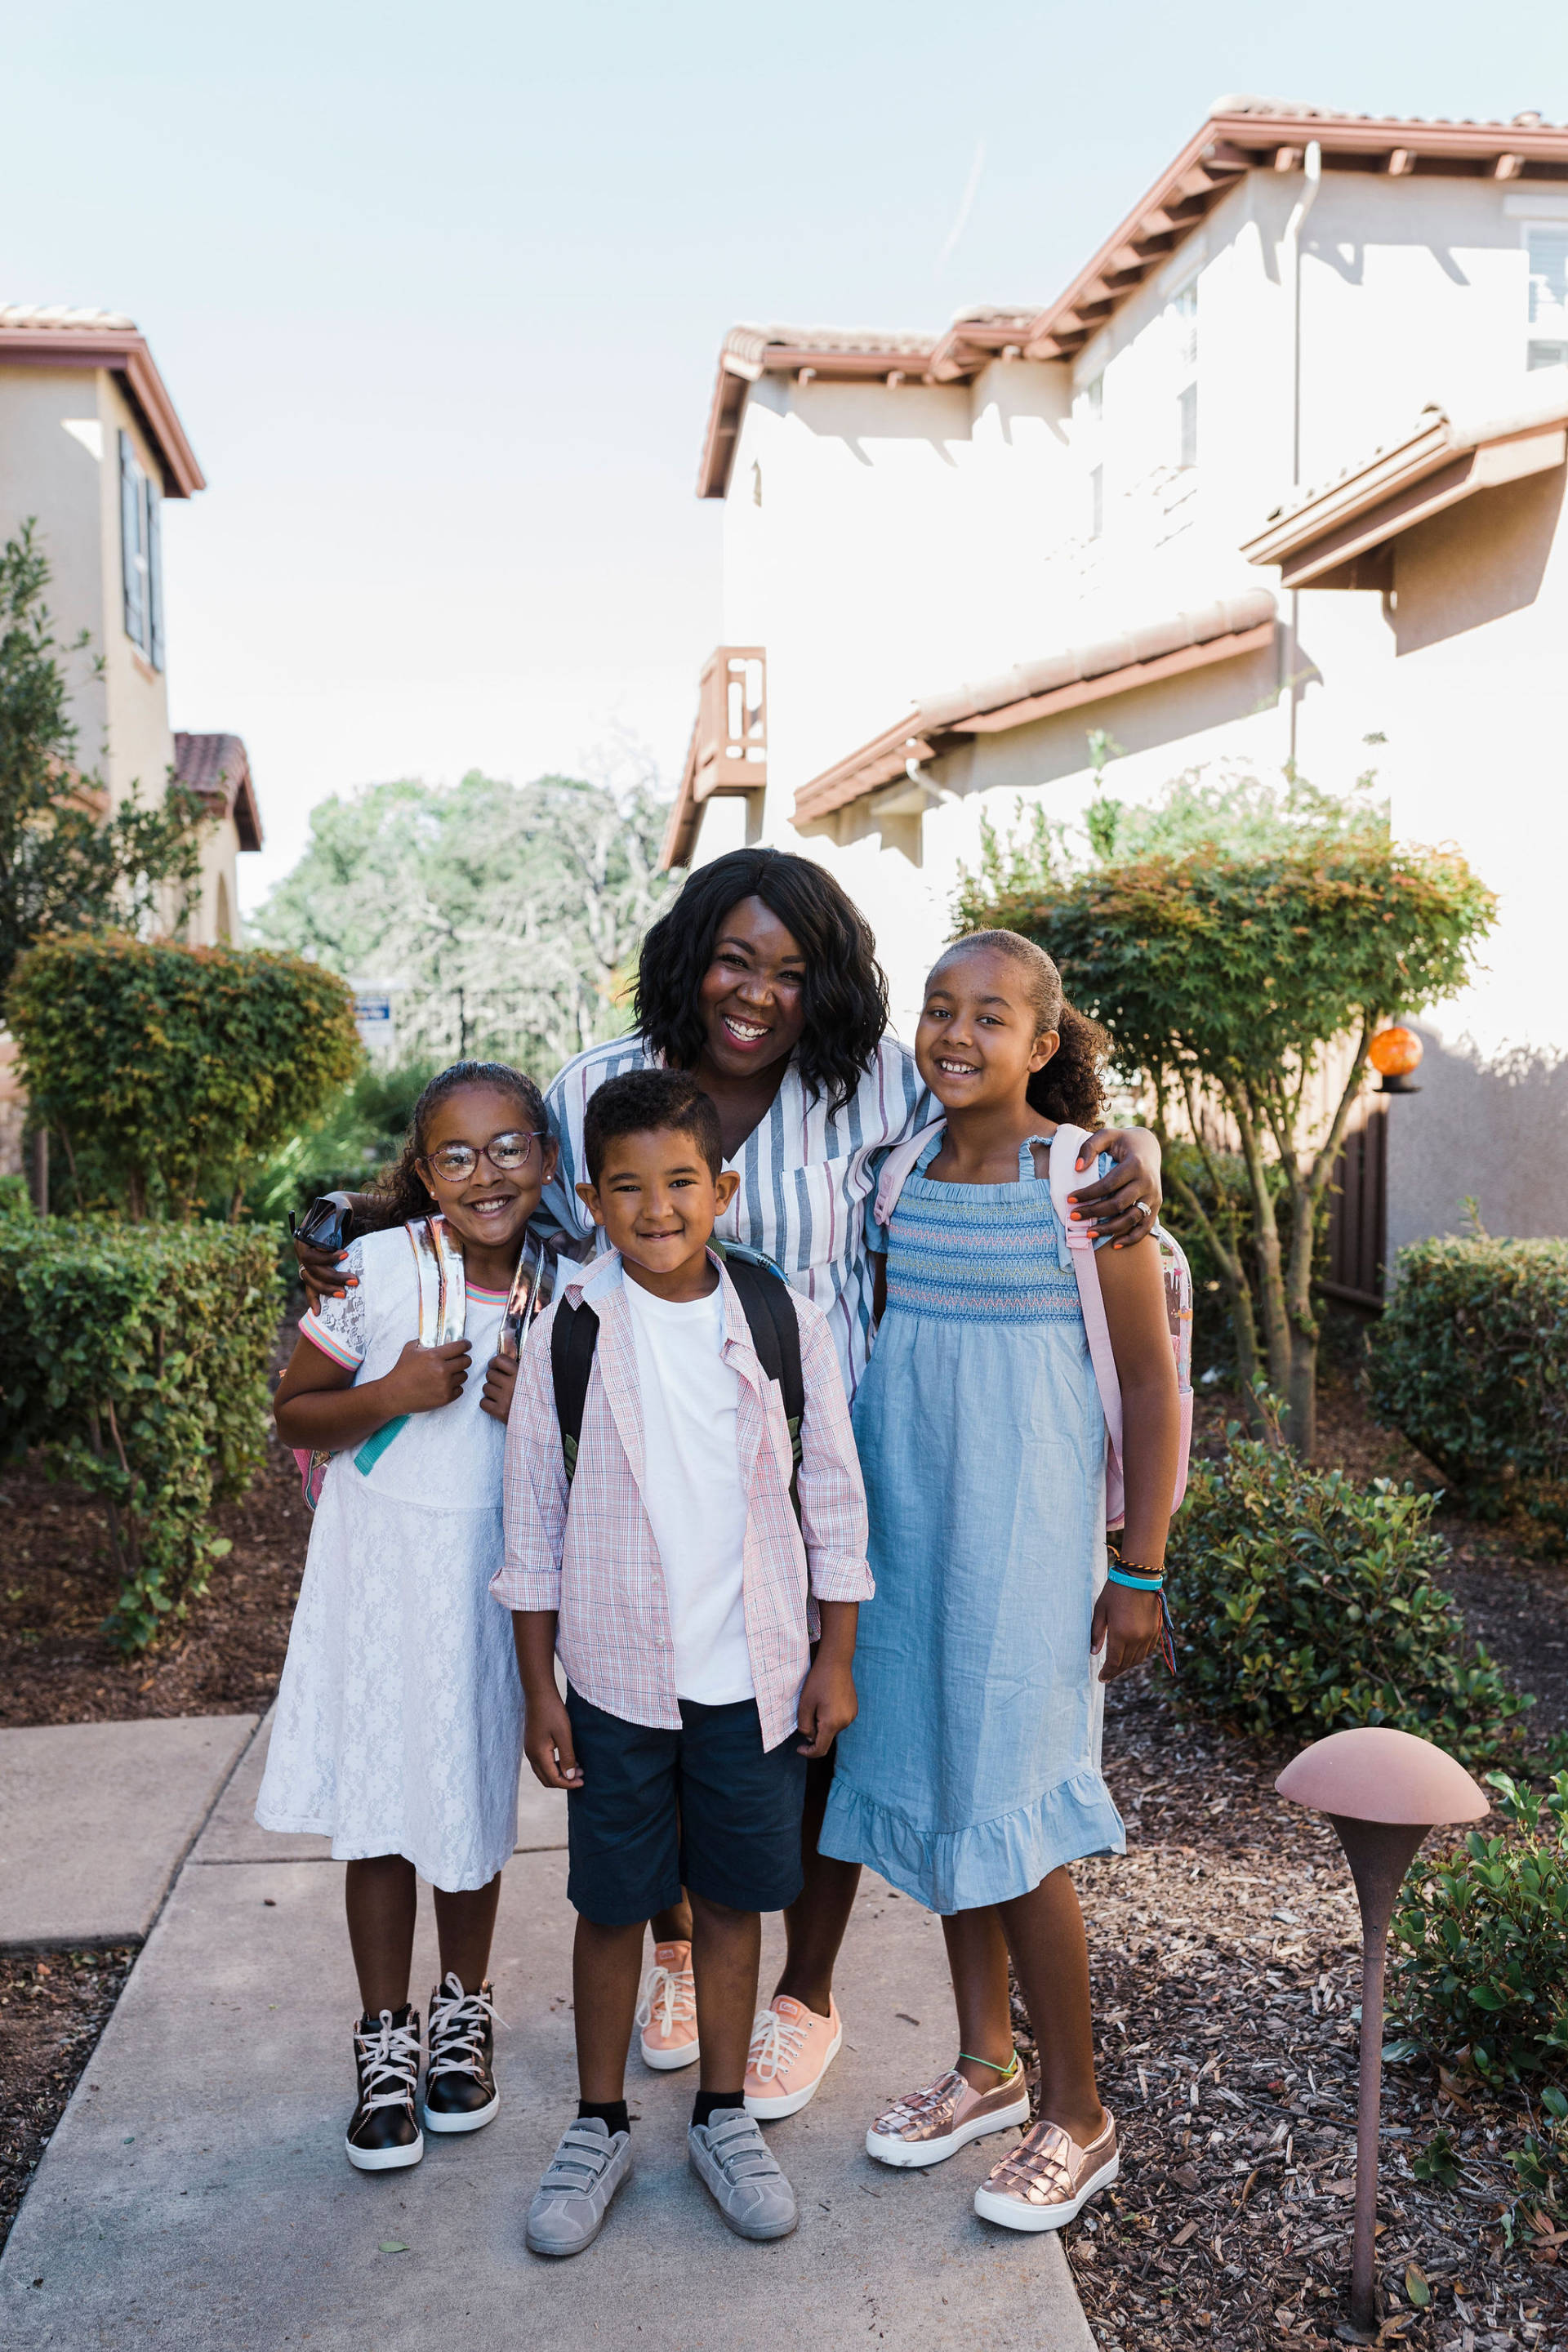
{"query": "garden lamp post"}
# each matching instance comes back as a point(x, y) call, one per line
point(1383, 1791)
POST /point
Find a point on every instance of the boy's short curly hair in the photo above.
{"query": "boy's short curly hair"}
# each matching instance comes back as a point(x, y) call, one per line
point(651, 1102)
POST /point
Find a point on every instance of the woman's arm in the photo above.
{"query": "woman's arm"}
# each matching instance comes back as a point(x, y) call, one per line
point(1132, 1283)
point(1111, 1202)
point(318, 1408)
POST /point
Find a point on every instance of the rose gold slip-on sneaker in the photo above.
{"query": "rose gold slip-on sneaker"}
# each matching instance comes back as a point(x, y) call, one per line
point(932, 2124)
point(1048, 2179)
point(792, 2050)
point(667, 2013)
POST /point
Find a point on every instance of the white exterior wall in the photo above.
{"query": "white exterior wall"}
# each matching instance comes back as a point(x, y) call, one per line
point(912, 537)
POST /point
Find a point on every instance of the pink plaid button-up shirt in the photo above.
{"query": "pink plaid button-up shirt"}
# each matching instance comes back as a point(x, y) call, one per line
point(597, 1565)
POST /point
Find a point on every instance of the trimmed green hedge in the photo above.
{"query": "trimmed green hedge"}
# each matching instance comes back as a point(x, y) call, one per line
point(135, 1357)
point(1306, 1604)
point(1470, 1363)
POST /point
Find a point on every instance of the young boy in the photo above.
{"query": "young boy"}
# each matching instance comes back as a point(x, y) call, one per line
point(672, 1577)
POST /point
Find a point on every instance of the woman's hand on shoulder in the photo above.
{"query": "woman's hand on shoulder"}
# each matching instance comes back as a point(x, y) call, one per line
point(1126, 1626)
point(1123, 1204)
point(321, 1272)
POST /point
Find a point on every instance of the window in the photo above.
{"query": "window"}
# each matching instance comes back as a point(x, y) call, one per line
point(1187, 426)
point(1184, 323)
point(1548, 249)
point(1096, 501)
point(140, 556)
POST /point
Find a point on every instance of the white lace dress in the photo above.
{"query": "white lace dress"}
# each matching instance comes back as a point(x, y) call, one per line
point(399, 1723)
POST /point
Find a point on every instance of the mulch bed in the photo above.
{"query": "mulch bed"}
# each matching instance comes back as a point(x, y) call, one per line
point(57, 1584)
point(1225, 1956)
point(53, 2007)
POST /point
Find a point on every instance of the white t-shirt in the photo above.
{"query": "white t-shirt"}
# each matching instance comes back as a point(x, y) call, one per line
point(691, 1489)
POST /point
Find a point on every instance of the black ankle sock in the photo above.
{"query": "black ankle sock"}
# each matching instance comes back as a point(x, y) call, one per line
point(707, 2104)
point(612, 2114)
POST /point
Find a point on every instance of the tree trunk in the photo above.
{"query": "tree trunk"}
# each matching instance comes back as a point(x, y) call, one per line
point(1301, 1426)
point(1271, 1297)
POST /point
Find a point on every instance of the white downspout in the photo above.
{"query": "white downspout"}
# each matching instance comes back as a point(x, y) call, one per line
point(1312, 167)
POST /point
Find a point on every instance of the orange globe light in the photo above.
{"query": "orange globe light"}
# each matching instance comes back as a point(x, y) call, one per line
point(1394, 1053)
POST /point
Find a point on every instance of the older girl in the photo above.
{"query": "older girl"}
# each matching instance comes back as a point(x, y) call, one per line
point(972, 1777)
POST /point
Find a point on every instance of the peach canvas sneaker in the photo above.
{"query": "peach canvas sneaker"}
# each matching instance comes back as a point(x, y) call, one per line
point(1048, 2179)
point(929, 2125)
point(792, 2050)
point(667, 2013)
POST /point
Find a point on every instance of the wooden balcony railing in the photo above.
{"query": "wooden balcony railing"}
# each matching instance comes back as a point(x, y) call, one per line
point(729, 748)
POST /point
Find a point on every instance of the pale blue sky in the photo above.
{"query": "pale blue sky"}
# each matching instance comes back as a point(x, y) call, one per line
point(439, 292)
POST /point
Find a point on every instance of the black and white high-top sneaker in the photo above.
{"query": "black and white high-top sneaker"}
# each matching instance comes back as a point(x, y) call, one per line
point(384, 2134)
point(460, 2093)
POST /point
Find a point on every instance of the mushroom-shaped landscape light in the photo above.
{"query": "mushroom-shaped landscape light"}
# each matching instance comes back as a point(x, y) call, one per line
point(1383, 1791)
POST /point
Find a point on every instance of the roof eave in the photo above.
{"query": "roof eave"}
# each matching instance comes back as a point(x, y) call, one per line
point(124, 353)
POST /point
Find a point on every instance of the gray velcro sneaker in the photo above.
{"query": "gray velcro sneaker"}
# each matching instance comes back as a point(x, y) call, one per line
point(571, 2200)
point(729, 2157)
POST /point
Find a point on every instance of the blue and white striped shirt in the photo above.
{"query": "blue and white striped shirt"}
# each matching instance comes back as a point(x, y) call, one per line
point(805, 1173)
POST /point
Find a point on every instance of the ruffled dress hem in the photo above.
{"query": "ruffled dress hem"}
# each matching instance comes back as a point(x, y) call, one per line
point(988, 1862)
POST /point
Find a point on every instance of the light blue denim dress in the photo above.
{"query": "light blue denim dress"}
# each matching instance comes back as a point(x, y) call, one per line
point(973, 1769)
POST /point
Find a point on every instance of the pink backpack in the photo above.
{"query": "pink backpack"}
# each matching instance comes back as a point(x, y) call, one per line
point(1066, 1145)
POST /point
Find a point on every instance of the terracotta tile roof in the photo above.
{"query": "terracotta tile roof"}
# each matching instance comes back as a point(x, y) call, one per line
point(1240, 135)
point(1443, 459)
point(217, 768)
point(49, 334)
point(1064, 680)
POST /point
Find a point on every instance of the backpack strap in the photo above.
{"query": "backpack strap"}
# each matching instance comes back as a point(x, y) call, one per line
point(896, 1168)
point(574, 1335)
point(775, 1335)
point(1066, 1145)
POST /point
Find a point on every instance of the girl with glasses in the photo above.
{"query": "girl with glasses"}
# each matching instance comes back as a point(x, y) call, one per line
point(398, 1731)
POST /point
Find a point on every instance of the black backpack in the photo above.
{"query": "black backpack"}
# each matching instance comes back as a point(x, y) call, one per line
point(775, 1335)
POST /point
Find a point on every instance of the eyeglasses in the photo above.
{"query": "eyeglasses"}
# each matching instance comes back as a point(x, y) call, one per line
point(455, 1163)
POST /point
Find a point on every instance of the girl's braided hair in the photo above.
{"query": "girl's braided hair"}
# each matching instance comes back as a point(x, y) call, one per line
point(1071, 1090)
point(400, 1191)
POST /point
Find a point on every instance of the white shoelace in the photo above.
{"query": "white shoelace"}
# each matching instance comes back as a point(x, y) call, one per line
point(776, 2042)
point(390, 2056)
point(458, 2028)
point(672, 1993)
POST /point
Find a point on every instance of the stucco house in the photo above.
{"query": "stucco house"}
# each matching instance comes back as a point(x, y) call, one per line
point(1281, 471)
point(91, 448)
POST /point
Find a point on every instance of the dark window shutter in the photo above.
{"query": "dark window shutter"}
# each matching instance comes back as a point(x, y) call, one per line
point(131, 568)
point(154, 575)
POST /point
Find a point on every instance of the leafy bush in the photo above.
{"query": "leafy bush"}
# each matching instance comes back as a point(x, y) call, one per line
point(165, 1069)
point(1481, 1940)
point(360, 1129)
point(1470, 1363)
point(1307, 1604)
point(135, 1357)
point(1541, 2163)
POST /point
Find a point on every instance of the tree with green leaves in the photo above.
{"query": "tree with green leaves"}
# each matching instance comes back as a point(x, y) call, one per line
point(508, 915)
point(1243, 944)
point(66, 859)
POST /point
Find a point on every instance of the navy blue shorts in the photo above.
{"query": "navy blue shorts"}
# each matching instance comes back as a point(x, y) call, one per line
point(704, 1807)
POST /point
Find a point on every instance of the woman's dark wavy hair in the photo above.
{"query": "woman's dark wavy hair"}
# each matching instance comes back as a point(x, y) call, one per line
point(1071, 1087)
point(400, 1192)
point(846, 988)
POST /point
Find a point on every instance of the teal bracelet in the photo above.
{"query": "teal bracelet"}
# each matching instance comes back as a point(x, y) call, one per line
point(1154, 1583)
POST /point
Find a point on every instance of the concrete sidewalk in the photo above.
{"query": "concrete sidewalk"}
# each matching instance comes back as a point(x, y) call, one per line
point(196, 2192)
point(96, 1818)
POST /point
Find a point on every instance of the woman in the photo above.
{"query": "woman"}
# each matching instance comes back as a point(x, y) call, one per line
point(763, 980)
